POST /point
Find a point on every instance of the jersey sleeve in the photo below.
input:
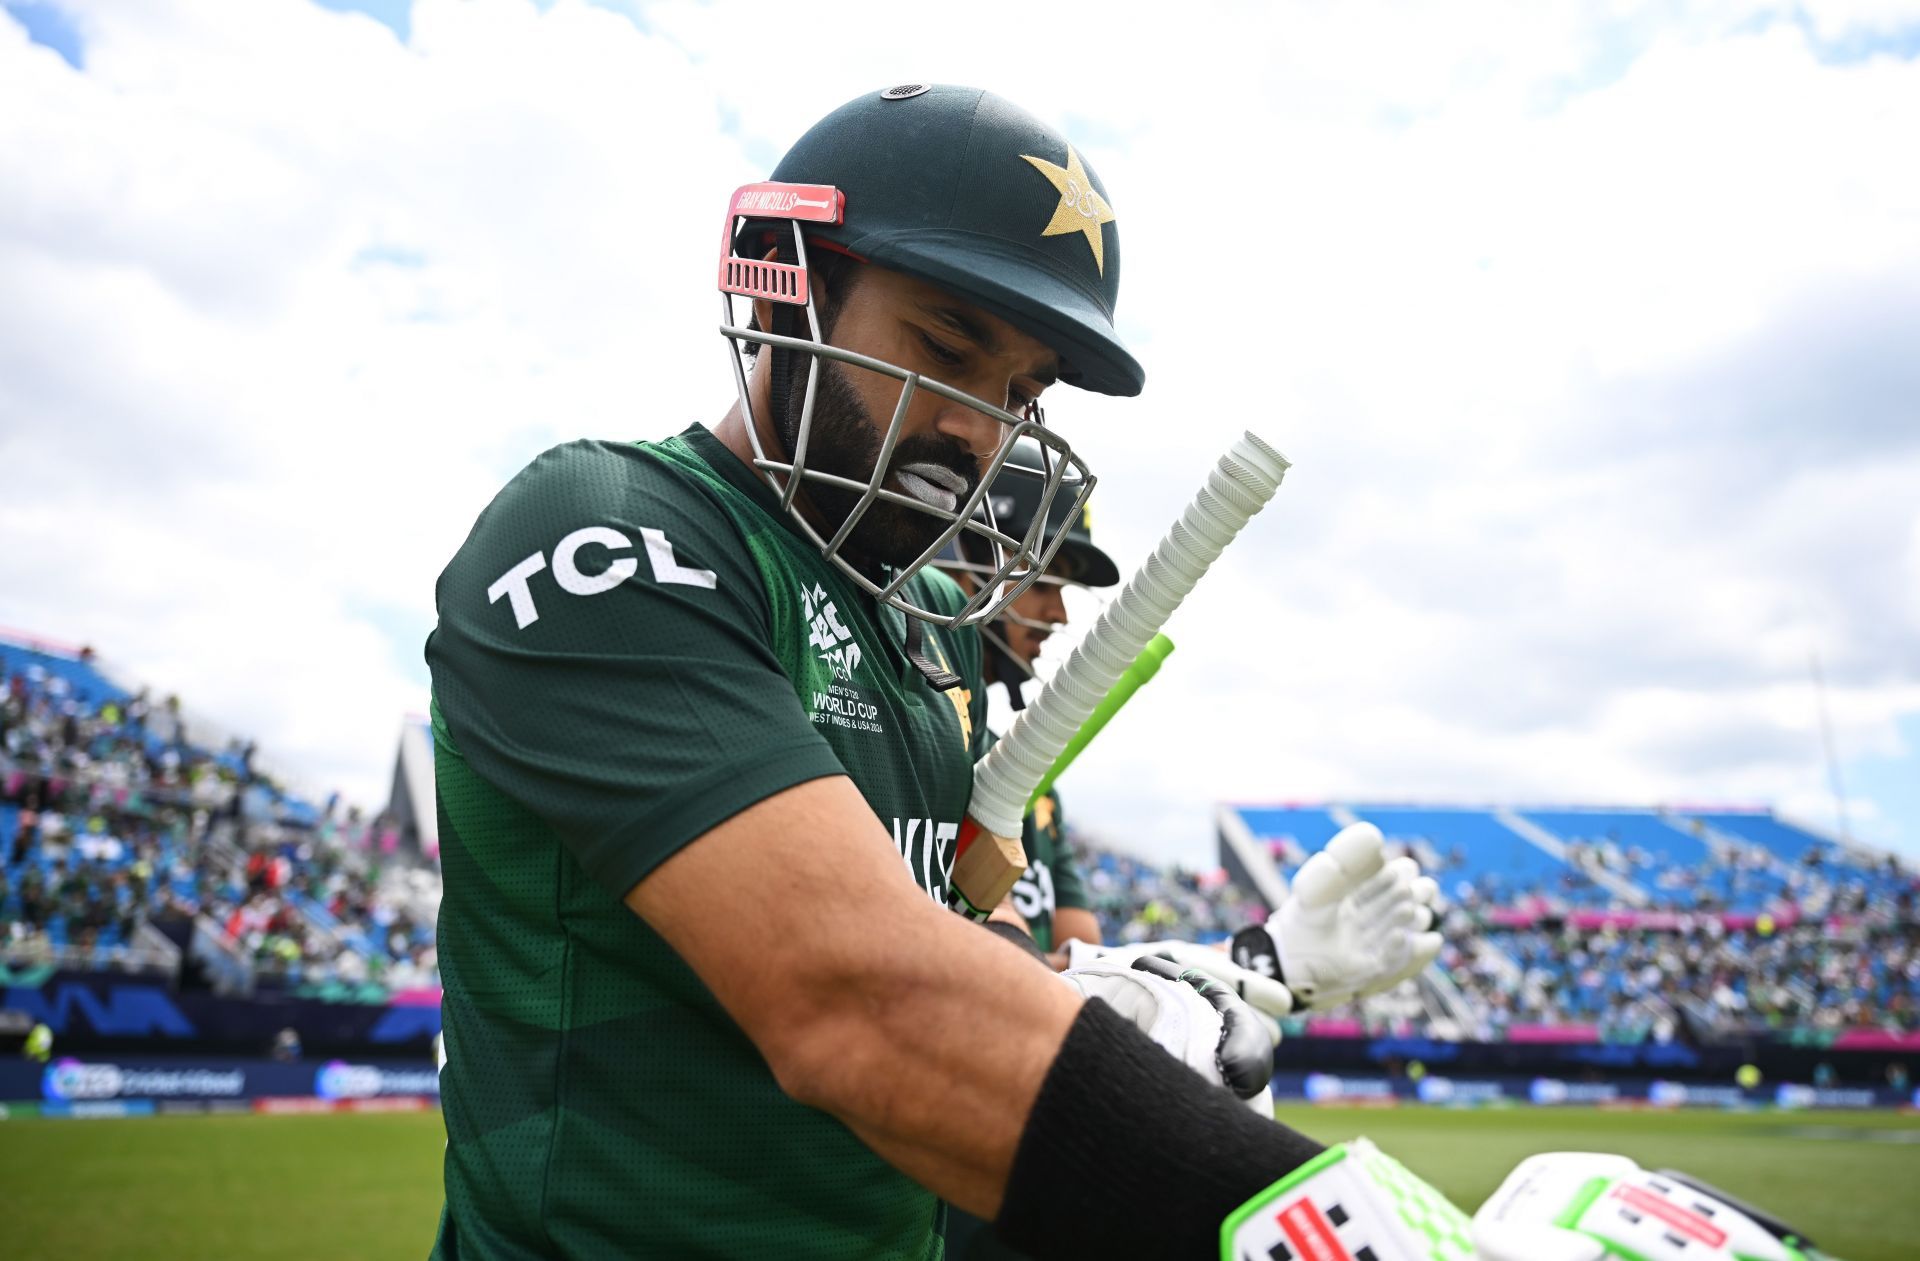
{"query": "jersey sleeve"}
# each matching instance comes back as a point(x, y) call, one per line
point(1069, 888)
point(603, 656)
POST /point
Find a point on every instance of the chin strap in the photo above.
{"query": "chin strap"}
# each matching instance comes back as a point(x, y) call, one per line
point(936, 672)
point(781, 324)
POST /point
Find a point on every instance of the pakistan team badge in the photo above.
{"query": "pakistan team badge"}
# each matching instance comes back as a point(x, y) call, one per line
point(1081, 209)
point(842, 703)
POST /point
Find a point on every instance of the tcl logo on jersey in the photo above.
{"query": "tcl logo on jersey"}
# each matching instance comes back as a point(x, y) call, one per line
point(517, 583)
point(825, 632)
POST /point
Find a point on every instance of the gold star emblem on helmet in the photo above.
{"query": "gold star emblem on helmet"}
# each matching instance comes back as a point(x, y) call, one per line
point(1081, 209)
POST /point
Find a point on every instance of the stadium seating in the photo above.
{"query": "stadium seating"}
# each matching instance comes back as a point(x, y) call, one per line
point(1783, 840)
point(1294, 831)
point(1610, 920)
point(1473, 846)
point(132, 821)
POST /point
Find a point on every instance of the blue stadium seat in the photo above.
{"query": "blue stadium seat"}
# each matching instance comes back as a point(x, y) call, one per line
point(1779, 839)
point(1666, 843)
point(1497, 859)
point(1308, 827)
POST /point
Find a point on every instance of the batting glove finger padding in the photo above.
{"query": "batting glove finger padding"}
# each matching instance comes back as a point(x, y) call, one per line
point(1244, 1053)
point(1259, 988)
point(1354, 924)
point(1354, 856)
point(1191, 1016)
point(1585, 1206)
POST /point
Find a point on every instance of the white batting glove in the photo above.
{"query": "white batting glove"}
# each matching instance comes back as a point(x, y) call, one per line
point(1353, 924)
point(1191, 1016)
point(1585, 1206)
point(1352, 1201)
point(1264, 994)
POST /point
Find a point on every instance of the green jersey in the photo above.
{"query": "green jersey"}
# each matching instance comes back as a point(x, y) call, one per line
point(1051, 881)
point(634, 644)
point(1052, 878)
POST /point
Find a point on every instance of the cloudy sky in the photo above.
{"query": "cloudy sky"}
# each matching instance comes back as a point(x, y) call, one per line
point(1593, 331)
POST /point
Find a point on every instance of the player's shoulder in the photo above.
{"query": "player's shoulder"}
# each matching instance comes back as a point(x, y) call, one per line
point(610, 474)
point(669, 486)
point(590, 513)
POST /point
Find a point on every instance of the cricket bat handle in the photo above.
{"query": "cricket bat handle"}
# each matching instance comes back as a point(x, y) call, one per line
point(988, 857)
point(1144, 667)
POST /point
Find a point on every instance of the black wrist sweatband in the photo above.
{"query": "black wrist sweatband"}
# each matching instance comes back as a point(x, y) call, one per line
point(1130, 1153)
point(1000, 928)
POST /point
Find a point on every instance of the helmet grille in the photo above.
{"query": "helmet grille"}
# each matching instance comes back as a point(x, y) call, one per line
point(780, 282)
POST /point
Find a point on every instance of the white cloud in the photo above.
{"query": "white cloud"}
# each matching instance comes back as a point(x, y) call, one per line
point(243, 445)
point(1581, 324)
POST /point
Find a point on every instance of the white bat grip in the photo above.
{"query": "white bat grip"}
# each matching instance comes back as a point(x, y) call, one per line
point(1237, 487)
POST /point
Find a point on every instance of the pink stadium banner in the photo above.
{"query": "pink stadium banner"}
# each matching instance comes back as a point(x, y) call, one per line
point(425, 996)
point(1877, 1040)
point(1553, 1034)
point(1655, 921)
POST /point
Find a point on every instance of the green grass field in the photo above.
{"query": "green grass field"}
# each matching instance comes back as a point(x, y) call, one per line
point(368, 1186)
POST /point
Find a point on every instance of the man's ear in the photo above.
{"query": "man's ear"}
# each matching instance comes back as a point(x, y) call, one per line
point(816, 280)
point(763, 309)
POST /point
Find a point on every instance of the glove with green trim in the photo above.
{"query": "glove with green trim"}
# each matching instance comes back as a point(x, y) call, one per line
point(1352, 1202)
point(1585, 1206)
point(1356, 1203)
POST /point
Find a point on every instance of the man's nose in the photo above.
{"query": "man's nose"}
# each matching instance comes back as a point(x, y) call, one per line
point(977, 431)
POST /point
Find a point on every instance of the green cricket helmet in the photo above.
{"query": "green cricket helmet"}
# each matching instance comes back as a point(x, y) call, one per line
point(963, 190)
point(1015, 501)
point(1016, 505)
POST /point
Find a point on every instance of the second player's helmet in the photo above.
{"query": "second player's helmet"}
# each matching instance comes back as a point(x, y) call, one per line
point(963, 190)
point(1078, 560)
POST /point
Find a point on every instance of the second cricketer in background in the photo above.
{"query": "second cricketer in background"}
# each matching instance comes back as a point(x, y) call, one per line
point(1363, 936)
point(1050, 899)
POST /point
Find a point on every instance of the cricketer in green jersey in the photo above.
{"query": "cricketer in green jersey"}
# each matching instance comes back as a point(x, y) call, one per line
point(1050, 899)
point(704, 728)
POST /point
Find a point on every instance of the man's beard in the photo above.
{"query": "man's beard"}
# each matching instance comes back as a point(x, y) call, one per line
point(844, 441)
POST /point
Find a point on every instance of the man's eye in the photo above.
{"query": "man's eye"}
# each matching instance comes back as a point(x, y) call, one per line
point(939, 353)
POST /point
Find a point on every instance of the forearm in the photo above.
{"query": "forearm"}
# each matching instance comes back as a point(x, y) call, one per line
point(968, 1012)
point(926, 1035)
point(935, 1046)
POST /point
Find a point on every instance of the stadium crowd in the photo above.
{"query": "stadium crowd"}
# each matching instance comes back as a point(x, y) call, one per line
point(114, 822)
point(1630, 981)
point(113, 819)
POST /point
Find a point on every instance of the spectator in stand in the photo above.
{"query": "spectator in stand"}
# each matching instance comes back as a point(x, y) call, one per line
point(116, 825)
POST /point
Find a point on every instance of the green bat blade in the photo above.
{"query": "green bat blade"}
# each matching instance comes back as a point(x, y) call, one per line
point(1144, 667)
